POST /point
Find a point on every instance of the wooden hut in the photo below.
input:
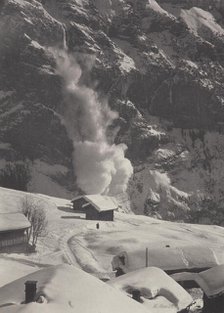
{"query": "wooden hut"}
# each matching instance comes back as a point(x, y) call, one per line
point(96, 207)
point(14, 229)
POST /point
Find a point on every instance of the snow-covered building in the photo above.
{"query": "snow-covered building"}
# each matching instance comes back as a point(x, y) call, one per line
point(211, 282)
point(170, 259)
point(13, 229)
point(65, 288)
point(96, 207)
point(156, 289)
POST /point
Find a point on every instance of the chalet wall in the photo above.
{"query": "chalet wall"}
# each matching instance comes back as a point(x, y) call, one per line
point(93, 214)
point(11, 238)
point(214, 305)
point(78, 203)
point(107, 215)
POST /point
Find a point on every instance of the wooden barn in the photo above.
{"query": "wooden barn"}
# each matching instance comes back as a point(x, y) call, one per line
point(14, 229)
point(96, 207)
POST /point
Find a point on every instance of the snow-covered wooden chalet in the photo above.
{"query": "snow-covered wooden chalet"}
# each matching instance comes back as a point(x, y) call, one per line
point(96, 207)
point(14, 229)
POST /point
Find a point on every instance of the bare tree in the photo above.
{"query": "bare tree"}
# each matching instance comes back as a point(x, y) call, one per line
point(35, 213)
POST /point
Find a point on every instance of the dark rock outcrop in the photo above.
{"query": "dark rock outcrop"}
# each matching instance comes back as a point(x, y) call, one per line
point(160, 64)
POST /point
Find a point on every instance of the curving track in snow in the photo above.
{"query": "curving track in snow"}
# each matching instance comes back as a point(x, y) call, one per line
point(65, 249)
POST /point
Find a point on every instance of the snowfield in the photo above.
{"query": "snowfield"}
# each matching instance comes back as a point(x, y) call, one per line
point(73, 240)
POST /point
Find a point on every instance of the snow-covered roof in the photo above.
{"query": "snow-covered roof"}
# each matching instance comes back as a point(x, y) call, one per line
point(168, 258)
point(210, 281)
point(60, 286)
point(100, 202)
point(13, 221)
point(153, 282)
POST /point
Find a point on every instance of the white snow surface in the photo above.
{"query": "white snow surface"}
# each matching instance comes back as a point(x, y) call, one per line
point(169, 258)
point(153, 282)
point(11, 269)
point(153, 5)
point(100, 202)
point(201, 22)
point(67, 289)
point(12, 221)
point(74, 240)
point(210, 281)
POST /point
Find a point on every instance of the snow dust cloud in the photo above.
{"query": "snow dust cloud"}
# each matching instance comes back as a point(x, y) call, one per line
point(100, 167)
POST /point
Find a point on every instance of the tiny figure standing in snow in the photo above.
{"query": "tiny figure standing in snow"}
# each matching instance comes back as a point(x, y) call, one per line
point(97, 226)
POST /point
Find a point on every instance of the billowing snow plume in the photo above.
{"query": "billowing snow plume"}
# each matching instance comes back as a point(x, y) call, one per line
point(100, 167)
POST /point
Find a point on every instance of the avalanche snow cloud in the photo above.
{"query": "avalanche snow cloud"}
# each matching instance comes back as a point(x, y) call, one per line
point(100, 167)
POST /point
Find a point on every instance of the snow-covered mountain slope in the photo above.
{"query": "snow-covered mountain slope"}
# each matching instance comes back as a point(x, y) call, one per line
point(201, 23)
point(72, 239)
point(159, 64)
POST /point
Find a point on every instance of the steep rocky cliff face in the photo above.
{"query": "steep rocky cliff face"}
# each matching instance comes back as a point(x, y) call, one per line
point(158, 64)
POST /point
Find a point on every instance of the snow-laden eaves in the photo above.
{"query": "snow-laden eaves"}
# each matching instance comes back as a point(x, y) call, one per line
point(13, 221)
point(168, 258)
point(67, 289)
point(100, 202)
point(153, 282)
point(212, 281)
